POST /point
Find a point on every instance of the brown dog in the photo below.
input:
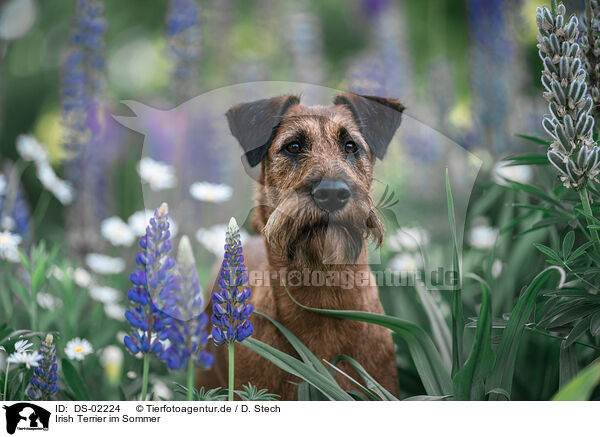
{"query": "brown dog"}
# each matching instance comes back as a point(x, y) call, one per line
point(315, 213)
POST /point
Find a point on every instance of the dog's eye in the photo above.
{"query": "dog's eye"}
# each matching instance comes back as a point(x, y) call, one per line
point(350, 147)
point(293, 148)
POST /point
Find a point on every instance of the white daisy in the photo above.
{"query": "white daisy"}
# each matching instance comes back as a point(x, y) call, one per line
point(30, 149)
point(7, 223)
point(117, 232)
point(9, 243)
point(405, 262)
point(519, 173)
point(78, 349)
point(213, 238)
point(159, 175)
point(82, 277)
point(496, 268)
point(30, 359)
point(115, 311)
point(47, 301)
point(111, 360)
point(138, 222)
point(62, 190)
point(207, 192)
point(482, 237)
point(104, 294)
point(23, 346)
point(408, 239)
point(104, 264)
point(161, 390)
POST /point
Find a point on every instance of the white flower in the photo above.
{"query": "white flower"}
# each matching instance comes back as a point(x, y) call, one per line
point(7, 223)
point(30, 359)
point(23, 346)
point(82, 277)
point(104, 265)
point(408, 239)
point(405, 262)
point(104, 294)
point(482, 237)
point(519, 173)
point(31, 149)
point(62, 190)
point(47, 301)
point(207, 192)
point(159, 175)
point(115, 311)
point(3, 185)
point(213, 239)
point(9, 243)
point(78, 349)
point(111, 355)
point(117, 232)
point(138, 222)
point(161, 390)
point(496, 268)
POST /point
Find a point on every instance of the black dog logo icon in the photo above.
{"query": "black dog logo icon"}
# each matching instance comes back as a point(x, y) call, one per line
point(26, 416)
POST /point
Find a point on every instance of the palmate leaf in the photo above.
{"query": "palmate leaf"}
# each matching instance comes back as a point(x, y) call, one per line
point(469, 383)
point(252, 393)
point(581, 387)
point(429, 365)
point(506, 354)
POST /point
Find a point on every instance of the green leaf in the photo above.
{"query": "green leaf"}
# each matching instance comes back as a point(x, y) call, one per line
point(579, 251)
point(581, 387)
point(595, 324)
point(506, 355)
point(297, 368)
point(568, 242)
point(548, 252)
point(429, 365)
point(534, 139)
point(426, 398)
point(567, 365)
point(458, 320)
point(74, 381)
point(469, 383)
point(371, 384)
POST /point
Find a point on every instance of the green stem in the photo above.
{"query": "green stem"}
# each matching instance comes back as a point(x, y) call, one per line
point(6, 381)
point(41, 208)
point(190, 380)
point(145, 372)
point(585, 202)
point(231, 371)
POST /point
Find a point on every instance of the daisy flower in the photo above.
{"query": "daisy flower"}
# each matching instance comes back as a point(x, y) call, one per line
point(159, 175)
point(408, 239)
point(482, 237)
point(104, 294)
point(213, 238)
point(62, 190)
point(9, 243)
point(30, 149)
point(46, 301)
point(30, 359)
point(23, 346)
point(115, 311)
point(504, 172)
point(406, 262)
point(117, 232)
point(207, 192)
point(78, 349)
point(82, 277)
point(105, 265)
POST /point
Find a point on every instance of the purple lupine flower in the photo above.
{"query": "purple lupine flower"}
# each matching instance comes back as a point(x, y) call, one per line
point(184, 46)
point(231, 306)
point(188, 320)
point(14, 210)
point(82, 85)
point(153, 283)
point(43, 383)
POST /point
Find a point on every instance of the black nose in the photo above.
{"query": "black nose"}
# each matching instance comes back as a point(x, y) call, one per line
point(331, 194)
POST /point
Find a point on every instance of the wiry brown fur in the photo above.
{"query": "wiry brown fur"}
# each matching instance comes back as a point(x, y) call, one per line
point(297, 235)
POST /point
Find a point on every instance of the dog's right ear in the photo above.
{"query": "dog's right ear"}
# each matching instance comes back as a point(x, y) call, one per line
point(254, 124)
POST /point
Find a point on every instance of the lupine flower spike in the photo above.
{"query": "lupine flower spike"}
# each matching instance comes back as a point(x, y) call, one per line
point(187, 325)
point(231, 306)
point(152, 292)
point(43, 383)
point(570, 122)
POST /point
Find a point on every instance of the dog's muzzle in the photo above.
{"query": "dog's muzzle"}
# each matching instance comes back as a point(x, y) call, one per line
point(331, 194)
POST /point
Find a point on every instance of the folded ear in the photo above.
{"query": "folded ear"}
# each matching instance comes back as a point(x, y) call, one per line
point(377, 117)
point(254, 124)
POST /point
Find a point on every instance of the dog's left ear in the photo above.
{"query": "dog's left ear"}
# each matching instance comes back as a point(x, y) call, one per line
point(377, 117)
point(254, 124)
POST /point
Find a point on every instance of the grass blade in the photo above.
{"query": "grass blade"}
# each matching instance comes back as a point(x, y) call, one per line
point(581, 387)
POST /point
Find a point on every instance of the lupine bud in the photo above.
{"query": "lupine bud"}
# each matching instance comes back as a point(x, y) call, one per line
point(43, 383)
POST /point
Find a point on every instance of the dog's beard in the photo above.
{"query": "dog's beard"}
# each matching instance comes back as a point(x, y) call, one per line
point(310, 237)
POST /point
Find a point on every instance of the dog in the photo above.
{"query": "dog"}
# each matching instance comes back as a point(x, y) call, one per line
point(314, 216)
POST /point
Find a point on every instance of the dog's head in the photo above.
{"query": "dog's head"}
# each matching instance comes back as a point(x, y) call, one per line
point(314, 200)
